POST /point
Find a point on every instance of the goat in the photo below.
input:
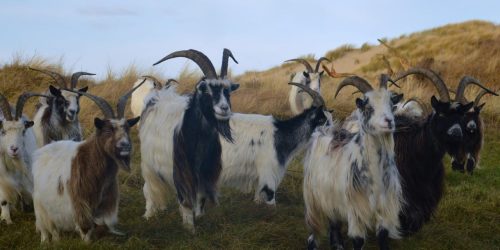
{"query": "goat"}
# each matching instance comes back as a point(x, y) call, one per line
point(298, 100)
point(472, 126)
point(57, 115)
point(75, 183)
point(353, 176)
point(143, 94)
point(17, 144)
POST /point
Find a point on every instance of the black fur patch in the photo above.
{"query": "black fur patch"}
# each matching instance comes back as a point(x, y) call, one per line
point(4, 203)
point(269, 192)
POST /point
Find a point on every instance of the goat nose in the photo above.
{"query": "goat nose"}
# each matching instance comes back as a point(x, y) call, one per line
point(14, 148)
point(455, 132)
point(224, 107)
point(389, 122)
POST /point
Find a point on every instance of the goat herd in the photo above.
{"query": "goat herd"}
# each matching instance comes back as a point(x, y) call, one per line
point(382, 168)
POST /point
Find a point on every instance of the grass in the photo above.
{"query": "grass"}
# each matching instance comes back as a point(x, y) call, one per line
point(467, 218)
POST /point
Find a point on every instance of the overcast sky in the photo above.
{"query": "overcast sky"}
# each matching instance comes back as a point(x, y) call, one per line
point(93, 35)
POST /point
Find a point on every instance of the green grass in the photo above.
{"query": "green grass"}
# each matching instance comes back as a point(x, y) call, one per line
point(468, 217)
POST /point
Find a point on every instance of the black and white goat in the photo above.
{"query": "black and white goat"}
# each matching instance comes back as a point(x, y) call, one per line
point(57, 115)
point(147, 91)
point(467, 156)
point(75, 183)
point(300, 101)
point(17, 144)
point(352, 177)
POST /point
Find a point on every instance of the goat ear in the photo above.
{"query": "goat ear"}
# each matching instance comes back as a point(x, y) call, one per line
point(84, 89)
point(396, 98)
point(477, 109)
point(306, 75)
point(98, 123)
point(466, 107)
point(28, 124)
point(133, 121)
point(360, 103)
point(435, 104)
point(234, 86)
point(54, 91)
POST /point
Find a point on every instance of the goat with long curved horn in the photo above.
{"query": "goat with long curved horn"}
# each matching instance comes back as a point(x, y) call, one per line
point(199, 58)
point(431, 75)
point(225, 62)
point(75, 76)
point(54, 75)
point(304, 62)
point(355, 81)
point(462, 85)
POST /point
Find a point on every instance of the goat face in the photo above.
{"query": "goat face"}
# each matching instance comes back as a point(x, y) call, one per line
point(447, 122)
point(312, 80)
point(471, 121)
point(67, 103)
point(113, 135)
point(377, 111)
point(214, 97)
point(11, 136)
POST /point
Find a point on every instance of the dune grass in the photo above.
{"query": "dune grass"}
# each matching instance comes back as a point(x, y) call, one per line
point(468, 216)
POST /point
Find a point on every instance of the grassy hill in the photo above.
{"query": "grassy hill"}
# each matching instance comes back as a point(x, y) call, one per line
point(467, 218)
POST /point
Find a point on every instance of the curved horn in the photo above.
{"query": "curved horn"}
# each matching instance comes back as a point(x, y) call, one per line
point(355, 81)
point(304, 62)
point(5, 108)
point(122, 102)
point(431, 75)
point(318, 101)
point(106, 109)
point(480, 95)
point(199, 58)
point(225, 62)
point(54, 75)
point(76, 76)
point(155, 80)
point(22, 100)
point(462, 85)
point(318, 63)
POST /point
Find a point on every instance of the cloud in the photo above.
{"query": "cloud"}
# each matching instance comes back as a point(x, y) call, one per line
point(101, 11)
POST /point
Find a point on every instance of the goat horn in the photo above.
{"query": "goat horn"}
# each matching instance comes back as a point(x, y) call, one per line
point(122, 102)
point(22, 100)
point(304, 62)
point(318, 63)
point(155, 80)
point(199, 58)
point(384, 78)
point(76, 76)
point(332, 73)
point(54, 75)
point(5, 108)
point(462, 85)
point(106, 109)
point(431, 75)
point(355, 81)
point(225, 62)
point(318, 101)
point(481, 94)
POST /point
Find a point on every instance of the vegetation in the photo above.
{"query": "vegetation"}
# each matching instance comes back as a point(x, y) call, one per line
point(467, 218)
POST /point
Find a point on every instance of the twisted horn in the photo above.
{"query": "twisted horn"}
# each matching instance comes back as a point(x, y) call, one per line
point(122, 102)
point(304, 62)
point(318, 101)
point(355, 81)
point(54, 75)
point(481, 94)
point(106, 109)
point(156, 82)
point(431, 75)
point(76, 76)
point(318, 63)
point(225, 62)
point(5, 108)
point(462, 85)
point(199, 58)
point(22, 100)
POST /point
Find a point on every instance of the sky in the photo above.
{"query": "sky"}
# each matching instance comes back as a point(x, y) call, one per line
point(97, 35)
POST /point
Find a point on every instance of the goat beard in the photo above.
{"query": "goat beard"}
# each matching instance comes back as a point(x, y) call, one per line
point(224, 130)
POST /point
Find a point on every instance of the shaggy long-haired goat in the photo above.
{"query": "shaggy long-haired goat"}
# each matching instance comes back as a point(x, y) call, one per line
point(467, 156)
point(57, 115)
point(300, 101)
point(352, 177)
point(75, 183)
point(17, 144)
point(197, 148)
point(147, 91)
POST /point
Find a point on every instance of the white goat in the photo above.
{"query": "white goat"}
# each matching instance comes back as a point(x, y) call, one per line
point(75, 183)
point(353, 176)
point(17, 144)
